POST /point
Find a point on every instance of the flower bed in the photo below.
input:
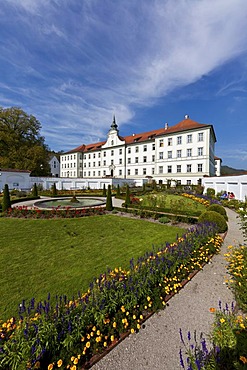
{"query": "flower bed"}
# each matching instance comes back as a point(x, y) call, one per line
point(56, 212)
point(70, 333)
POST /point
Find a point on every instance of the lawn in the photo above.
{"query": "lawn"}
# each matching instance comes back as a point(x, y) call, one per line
point(172, 203)
point(62, 256)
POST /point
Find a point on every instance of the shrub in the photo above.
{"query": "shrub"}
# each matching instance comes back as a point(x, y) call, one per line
point(164, 220)
point(35, 190)
point(210, 192)
point(54, 190)
point(127, 197)
point(6, 199)
point(214, 217)
point(108, 206)
point(219, 209)
point(104, 191)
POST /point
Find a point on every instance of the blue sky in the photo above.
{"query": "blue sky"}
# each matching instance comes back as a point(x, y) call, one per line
point(73, 64)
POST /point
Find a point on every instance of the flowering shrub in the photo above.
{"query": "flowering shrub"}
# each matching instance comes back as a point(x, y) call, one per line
point(56, 212)
point(67, 333)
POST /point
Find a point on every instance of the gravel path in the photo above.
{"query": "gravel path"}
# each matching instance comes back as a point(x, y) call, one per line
point(157, 345)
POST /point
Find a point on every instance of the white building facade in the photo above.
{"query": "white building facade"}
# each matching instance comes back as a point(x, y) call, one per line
point(183, 153)
point(54, 166)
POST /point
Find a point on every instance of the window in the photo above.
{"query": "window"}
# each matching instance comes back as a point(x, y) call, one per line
point(160, 169)
point(152, 170)
point(153, 146)
point(104, 163)
point(85, 174)
point(144, 171)
point(144, 159)
point(200, 151)
point(169, 169)
point(89, 156)
point(161, 143)
point(189, 152)
point(179, 182)
point(93, 173)
point(99, 163)
point(111, 161)
point(188, 167)
point(120, 172)
point(99, 155)
point(120, 151)
point(153, 158)
point(200, 136)
point(161, 155)
point(88, 173)
point(74, 164)
point(136, 171)
point(84, 164)
point(145, 148)
point(169, 154)
point(179, 168)
point(120, 160)
point(189, 138)
point(80, 164)
point(128, 172)
point(112, 152)
point(112, 142)
point(89, 164)
point(179, 153)
point(188, 182)
point(98, 173)
point(199, 167)
point(104, 154)
point(93, 155)
point(169, 141)
point(136, 159)
point(137, 149)
point(71, 156)
point(93, 164)
point(129, 150)
point(85, 157)
point(129, 160)
point(179, 140)
point(104, 173)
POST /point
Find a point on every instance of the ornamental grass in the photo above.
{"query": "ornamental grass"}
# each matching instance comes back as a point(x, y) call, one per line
point(70, 332)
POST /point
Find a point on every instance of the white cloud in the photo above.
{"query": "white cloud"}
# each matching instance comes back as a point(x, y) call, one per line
point(78, 63)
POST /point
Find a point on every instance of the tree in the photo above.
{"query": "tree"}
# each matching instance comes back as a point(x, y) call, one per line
point(118, 190)
point(35, 190)
point(127, 196)
point(54, 190)
point(21, 145)
point(6, 198)
point(109, 206)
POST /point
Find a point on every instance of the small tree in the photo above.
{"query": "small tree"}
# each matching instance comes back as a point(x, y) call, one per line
point(54, 190)
point(127, 197)
point(104, 191)
point(118, 190)
point(35, 190)
point(109, 206)
point(6, 198)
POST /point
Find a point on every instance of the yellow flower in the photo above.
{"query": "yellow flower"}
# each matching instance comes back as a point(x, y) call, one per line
point(132, 330)
point(148, 298)
point(134, 317)
point(243, 359)
point(138, 326)
point(73, 367)
point(112, 338)
point(88, 344)
point(50, 367)
point(37, 365)
point(105, 344)
point(59, 363)
point(222, 320)
point(75, 361)
point(114, 324)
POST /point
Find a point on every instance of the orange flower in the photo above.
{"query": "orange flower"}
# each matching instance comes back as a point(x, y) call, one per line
point(59, 363)
point(212, 309)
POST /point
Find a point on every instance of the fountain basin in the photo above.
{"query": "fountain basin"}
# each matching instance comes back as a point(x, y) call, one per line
point(65, 203)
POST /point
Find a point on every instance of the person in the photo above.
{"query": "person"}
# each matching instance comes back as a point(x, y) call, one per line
point(231, 195)
point(224, 195)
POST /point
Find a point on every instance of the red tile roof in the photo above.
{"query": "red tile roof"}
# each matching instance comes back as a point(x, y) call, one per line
point(13, 170)
point(186, 124)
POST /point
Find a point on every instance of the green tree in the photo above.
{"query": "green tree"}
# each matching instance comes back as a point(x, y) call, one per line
point(54, 190)
point(109, 206)
point(6, 198)
point(118, 190)
point(127, 196)
point(21, 145)
point(35, 190)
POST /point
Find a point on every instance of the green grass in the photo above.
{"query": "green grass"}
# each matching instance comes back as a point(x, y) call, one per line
point(63, 256)
point(173, 203)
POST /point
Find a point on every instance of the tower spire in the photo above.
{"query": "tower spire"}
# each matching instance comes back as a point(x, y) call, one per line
point(114, 126)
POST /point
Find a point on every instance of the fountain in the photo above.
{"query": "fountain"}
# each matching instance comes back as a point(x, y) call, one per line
point(72, 203)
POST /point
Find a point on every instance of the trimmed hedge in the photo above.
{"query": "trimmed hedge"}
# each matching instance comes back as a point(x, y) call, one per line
point(219, 209)
point(215, 217)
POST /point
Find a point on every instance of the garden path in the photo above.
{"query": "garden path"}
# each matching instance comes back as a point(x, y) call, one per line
point(157, 345)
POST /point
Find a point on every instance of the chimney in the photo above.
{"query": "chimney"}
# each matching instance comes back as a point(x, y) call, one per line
point(186, 116)
point(166, 126)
